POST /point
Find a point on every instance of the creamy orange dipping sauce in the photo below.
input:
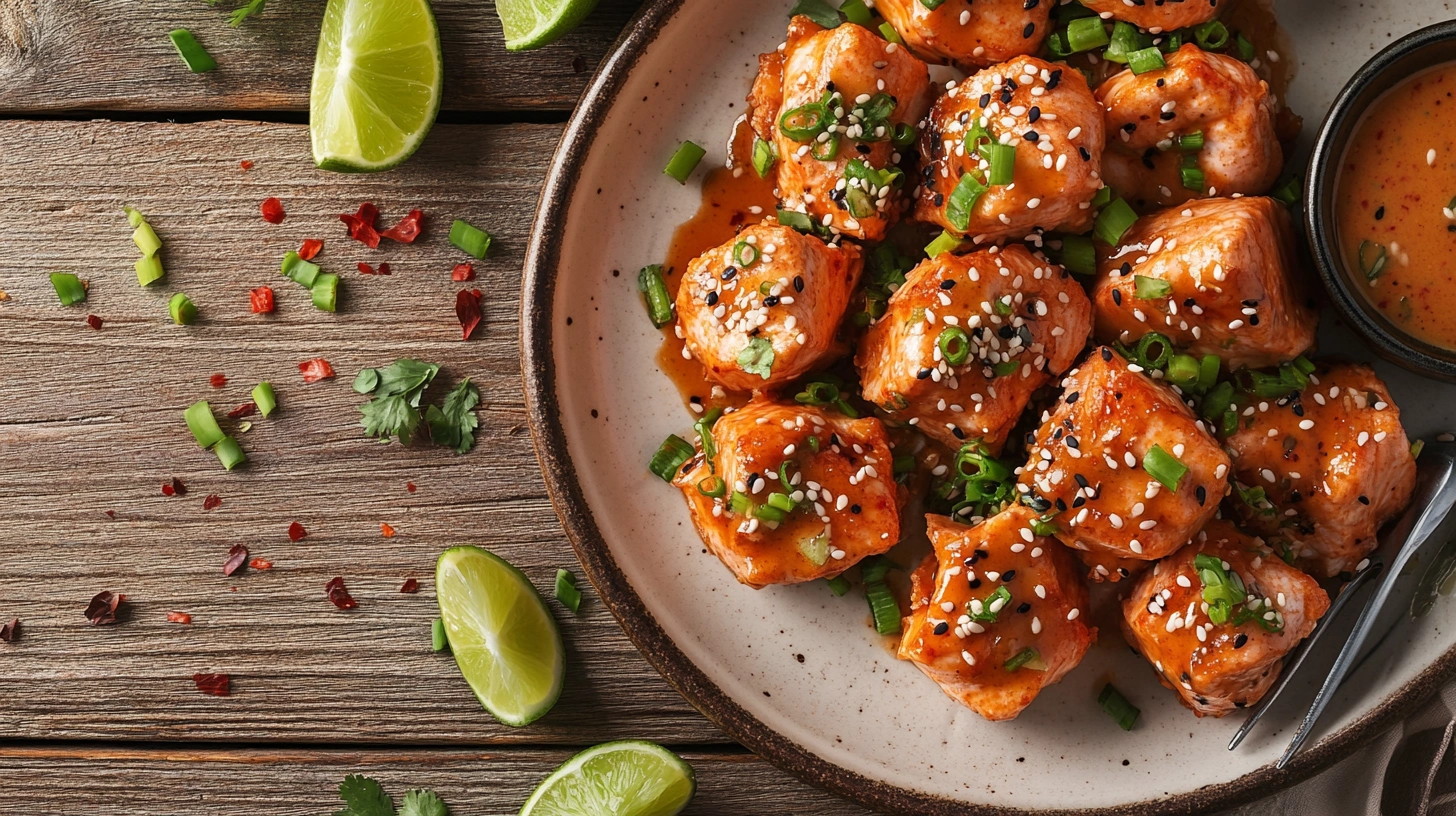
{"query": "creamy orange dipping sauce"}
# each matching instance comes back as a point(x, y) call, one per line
point(1396, 186)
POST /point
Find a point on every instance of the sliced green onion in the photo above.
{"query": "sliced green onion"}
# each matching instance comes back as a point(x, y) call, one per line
point(856, 12)
point(1416, 448)
point(740, 504)
point(905, 135)
point(438, 641)
point(769, 513)
point(781, 501)
point(839, 585)
point(1229, 424)
point(149, 269)
point(945, 242)
point(146, 239)
point(229, 453)
point(815, 549)
point(889, 33)
point(1289, 192)
point(764, 157)
point(1078, 254)
point(1218, 400)
point(566, 591)
point(1243, 48)
point(1114, 221)
point(301, 272)
point(796, 220)
point(901, 465)
point(1183, 370)
point(1146, 288)
point(1007, 368)
point(197, 59)
point(805, 122)
point(265, 399)
point(1085, 34)
point(1211, 35)
point(757, 357)
point(1191, 175)
point(1191, 142)
point(1303, 364)
point(1043, 525)
point(999, 599)
point(1164, 467)
point(932, 4)
point(1153, 351)
point(885, 608)
point(1208, 371)
point(1025, 658)
point(955, 345)
point(963, 200)
point(325, 292)
point(1117, 706)
point(670, 456)
point(1003, 165)
point(68, 288)
point(1126, 40)
point(654, 290)
point(1002, 305)
point(873, 569)
point(1146, 60)
point(713, 487)
point(684, 161)
point(704, 427)
point(817, 10)
point(1372, 267)
point(825, 149)
point(182, 309)
point(786, 477)
point(1171, 42)
point(202, 424)
point(1102, 197)
point(470, 239)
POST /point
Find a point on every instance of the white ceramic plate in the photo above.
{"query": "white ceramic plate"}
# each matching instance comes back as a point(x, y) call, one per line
point(847, 715)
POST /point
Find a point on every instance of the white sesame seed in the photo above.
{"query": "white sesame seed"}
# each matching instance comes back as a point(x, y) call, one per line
point(1071, 616)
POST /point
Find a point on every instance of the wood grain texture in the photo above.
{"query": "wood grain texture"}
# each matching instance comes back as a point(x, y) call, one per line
point(91, 421)
point(161, 781)
point(115, 55)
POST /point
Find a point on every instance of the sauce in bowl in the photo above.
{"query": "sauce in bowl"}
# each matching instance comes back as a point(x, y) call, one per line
point(1395, 223)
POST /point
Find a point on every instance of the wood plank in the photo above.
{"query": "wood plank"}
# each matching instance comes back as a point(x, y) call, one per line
point(135, 782)
point(90, 421)
point(115, 55)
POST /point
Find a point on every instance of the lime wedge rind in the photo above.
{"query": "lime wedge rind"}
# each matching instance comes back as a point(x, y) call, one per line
point(532, 24)
point(627, 778)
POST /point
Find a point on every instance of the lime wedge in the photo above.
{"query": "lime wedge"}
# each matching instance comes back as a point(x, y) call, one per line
point(504, 639)
point(616, 779)
point(376, 83)
point(534, 23)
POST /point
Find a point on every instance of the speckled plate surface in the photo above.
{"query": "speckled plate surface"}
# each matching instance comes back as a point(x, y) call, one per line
point(794, 673)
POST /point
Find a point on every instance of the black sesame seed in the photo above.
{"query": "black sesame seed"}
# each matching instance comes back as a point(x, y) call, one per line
point(729, 273)
point(947, 284)
point(1054, 80)
point(1031, 136)
point(958, 433)
point(1240, 640)
point(1201, 494)
point(771, 300)
point(855, 509)
point(1072, 443)
point(1082, 151)
point(942, 627)
point(1033, 115)
point(985, 99)
point(923, 373)
point(1030, 4)
point(1081, 480)
point(975, 583)
point(712, 298)
point(1364, 499)
point(798, 283)
point(1028, 31)
point(1008, 575)
point(1078, 502)
point(1167, 116)
point(1073, 397)
point(1107, 352)
point(1253, 320)
point(1117, 299)
point(1380, 213)
point(1024, 608)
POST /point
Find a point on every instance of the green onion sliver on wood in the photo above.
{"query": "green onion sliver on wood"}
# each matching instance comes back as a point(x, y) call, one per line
point(304, 273)
point(229, 452)
point(265, 399)
point(1117, 707)
point(182, 310)
point(197, 59)
point(566, 591)
point(68, 288)
point(325, 292)
point(439, 642)
point(470, 239)
point(202, 424)
point(684, 161)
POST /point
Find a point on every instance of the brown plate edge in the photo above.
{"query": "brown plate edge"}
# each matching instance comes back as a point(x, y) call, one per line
point(539, 374)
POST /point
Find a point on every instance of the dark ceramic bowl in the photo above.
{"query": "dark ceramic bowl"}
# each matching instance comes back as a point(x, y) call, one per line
point(1424, 49)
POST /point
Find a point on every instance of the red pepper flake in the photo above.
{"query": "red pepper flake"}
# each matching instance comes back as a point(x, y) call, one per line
point(338, 595)
point(407, 230)
point(261, 564)
point(246, 409)
point(310, 249)
point(94, 322)
point(179, 617)
point(410, 486)
point(366, 269)
point(246, 164)
point(111, 514)
point(272, 210)
point(410, 586)
point(386, 531)
point(315, 370)
point(212, 502)
point(462, 272)
point(468, 310)
point(174, 488)
point(384, 268)
point(217, 380)
point(296, 532)
point(236, 558)
point(361, 225)
point(218, 685)
point(10, 632)
point(261, 300)
point(102, 609)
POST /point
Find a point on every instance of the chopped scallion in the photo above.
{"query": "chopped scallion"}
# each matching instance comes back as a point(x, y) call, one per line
point(713, 487)
point(182, 309)
point(945, 242)
point(1211, 35)
point(1146, 288)
point(1183, 370)
point(470, 239)
point(670, 456)
point(202, 424)
point(905, 135)
point(684, 161)
point(1126, 40)
point(1114, 221)
point(1078, 254)
point(1146, 60)
point(796, 220)
point(889, 33)
point(149, 269)
point(146, 239)
point(1102, 197)
point(304, 273)
point(855, 11)
point(265, 399)
point(1191, 175)
point(740, 504)
point(816, 549)
point(1003, 165)
point(817, 10)
point(566, 591)
point(1191, 142)
point(229, 453)
point(1085, 34)
point(654, 290)
point(955, 345)
point(770, 513)
point(68, 288)
point(1289, 192)
point(1117, 706)
point(1164, 467)
point(438, 641)
point(986, 611)
point(1243, 48)
point(1025, 659)
point(764, 157)
point(1153, 351)
point(197, 59)
point(962, 201)
point(839, 585)
point(1372, 264)
point(1208, 369)
point(885, 608)
point(873, 569)
point(325, 292)
point(805, 122)
point(757, 357)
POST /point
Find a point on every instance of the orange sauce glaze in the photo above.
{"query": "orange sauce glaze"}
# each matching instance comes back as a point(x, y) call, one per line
point(1391, 194)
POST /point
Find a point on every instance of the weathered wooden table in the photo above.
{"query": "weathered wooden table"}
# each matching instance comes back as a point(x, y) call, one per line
point(97, 112)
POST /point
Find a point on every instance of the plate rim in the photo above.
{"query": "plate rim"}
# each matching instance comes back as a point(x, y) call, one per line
point(538, 371)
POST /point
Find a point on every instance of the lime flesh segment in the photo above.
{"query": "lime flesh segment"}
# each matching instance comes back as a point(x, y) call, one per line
point(377, 81)
point(616, 779)
point(533, 23)
point(503, 637)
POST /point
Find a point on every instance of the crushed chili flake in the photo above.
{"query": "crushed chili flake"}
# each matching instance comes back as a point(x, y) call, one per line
point(366, 269)
point(179, 617)
point(10, 632)
point(218, 685)
point(309, 249)
point(246, 164)
point(94, 322)
point(102, 609)
point(410, 586)
point(272, 210)
point(338, 595)
point(217, 380)
point(111, 514)
point(384, 268)
point(468, 310)
point(261, 564)
point(462, 272)
point(407, 230)
point(316, 369)
point(361, 225)
point(296, 532)
point(261, 300)
point(212, 502)
point(410, 486)
point(386, 531)
point(246, 409)
point(237, 556)
point(174, 488)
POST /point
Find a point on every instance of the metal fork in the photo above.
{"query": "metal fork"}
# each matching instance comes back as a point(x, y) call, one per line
point(1434, 496)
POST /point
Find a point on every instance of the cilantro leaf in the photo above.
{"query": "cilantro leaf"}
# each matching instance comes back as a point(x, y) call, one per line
point(253, 7)
point(364, 797)
point(390, 417)
point(757, 357)
point(422, 803)
point(454, 425)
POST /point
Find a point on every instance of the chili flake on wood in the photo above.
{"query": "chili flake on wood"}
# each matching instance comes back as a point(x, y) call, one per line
point(212, 502)
point(218, 685)
point(386, 531)
point(361, 225)
point(272, 210)
point(407, 230)
point(261, 564)
point(246, 409)
point(217, 380)
point(261, 300)
point(310, 249)
point(410, 486)
point(468, 310)
point(338, 595)
point(246, 164)
point(10, 632)
point(237, 556)
point(366, 269)
point(174, 488)
point(315, 370)
point(410, 586)
point(179, 617)
point(296, 532)
point(94, 322)
point(102, 609)
point(462, 272)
